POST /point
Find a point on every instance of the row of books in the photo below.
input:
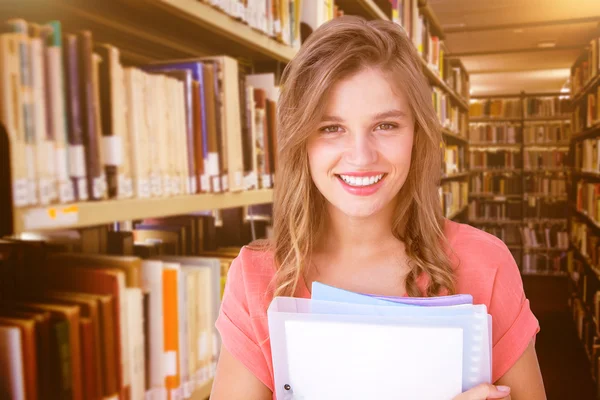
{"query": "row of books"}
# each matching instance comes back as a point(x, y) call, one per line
point(588, 199)
point(547, 132)
point(543, 207)
point(506, 159)
point(496, 108)
point(453, 159)
point(449, 115)
point(453, 196)
point(586, 155)
point(101, 131)
point(586, 67)
point(585, 321)
point(554, 106)
point(545, 158)
point(89, 326)
point(483, 210)
point(279, 19)
point(509, 234)
point(496, 184)
point(418, 27)
point(545, 185)
point(587, 111)
point(544, 236)
point(494, 133)
point(551, 263)
point(585, 241)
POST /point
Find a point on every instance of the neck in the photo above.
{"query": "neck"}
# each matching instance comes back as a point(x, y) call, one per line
point(358, 237)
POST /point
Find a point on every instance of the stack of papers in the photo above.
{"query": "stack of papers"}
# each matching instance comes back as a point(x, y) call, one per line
point(346, 345)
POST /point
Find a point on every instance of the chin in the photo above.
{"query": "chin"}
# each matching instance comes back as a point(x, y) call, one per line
point(363, 208)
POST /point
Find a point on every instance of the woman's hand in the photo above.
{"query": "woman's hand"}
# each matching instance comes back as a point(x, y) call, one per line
point(485, 391)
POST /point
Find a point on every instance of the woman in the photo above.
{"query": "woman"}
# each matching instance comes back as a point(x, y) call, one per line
point(356, 206)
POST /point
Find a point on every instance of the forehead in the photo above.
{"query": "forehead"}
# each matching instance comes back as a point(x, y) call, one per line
point(365, 92)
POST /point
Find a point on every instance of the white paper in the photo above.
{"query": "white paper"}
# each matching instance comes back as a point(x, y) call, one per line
point(342, 360)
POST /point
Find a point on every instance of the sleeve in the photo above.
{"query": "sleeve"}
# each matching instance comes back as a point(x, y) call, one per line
point(235, 326)
point(513, 322)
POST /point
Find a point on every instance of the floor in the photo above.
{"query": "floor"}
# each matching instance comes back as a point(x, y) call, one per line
point(564, 364)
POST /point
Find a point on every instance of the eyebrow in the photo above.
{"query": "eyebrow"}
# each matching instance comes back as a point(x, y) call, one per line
point(381, 115)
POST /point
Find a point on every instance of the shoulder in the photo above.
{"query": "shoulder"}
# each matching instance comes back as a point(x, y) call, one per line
point(483, 263)
point(250, 275)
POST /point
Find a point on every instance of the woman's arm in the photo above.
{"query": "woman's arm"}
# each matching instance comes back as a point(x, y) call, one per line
point(524, 378)
point(233, 381)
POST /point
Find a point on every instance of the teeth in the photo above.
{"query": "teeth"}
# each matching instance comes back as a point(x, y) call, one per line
point(361, 181)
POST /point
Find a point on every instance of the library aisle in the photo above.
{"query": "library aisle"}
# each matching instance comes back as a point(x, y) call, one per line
point(139, 153)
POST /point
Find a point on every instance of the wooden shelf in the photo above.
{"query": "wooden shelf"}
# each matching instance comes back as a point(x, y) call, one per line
point(221, 26)
point(363, 8)
point(545, 196)
point(454, 177)
point(587, 260)
point(435, 80)
point(448, 134)
point(586, 174)
point(434, 23)
point(492, 144)
point(105, 212)
point(497, 170)
point(543, 119)
point(587, 134)
point(560, 274)
point(496, 221)
point(534, 171)
point(581, 94)
point(492, 119)
point(543, 250)
point(591, 223)
point(497, 146)
point(457, 212)
point(561, 145)
point(545, 220)
point(494, 196)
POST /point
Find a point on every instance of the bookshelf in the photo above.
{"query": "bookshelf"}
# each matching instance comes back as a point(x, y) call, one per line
point(530, 132)
point(92, 213)
point(147, 31)
point(231, 32)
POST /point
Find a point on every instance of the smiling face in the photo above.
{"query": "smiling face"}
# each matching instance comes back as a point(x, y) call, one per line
point(360, 154)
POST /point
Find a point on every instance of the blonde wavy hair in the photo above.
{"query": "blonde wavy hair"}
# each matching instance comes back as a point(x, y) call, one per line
point(332, 52)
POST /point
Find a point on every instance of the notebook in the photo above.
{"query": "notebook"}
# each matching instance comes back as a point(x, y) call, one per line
point(341, 344)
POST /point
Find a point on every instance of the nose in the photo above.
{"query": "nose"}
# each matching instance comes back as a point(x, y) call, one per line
point(361, 150)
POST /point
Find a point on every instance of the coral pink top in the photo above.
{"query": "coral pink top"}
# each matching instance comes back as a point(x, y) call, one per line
point(484, 266)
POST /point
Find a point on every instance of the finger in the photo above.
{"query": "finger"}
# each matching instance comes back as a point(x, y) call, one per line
point(485, 391)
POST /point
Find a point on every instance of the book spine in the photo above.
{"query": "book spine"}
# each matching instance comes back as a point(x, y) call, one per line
point(198, 121)
point(56, 101)
point(96, 183)
point(61, 335)
point(190, 137)
point(11, 116)
point(171, 330)
point(20, 27)
point(113, 120)
point(77, 165)
point(45, 163)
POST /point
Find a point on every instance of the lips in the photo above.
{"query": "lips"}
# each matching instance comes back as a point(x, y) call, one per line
point(359, 181)
point(363, 183)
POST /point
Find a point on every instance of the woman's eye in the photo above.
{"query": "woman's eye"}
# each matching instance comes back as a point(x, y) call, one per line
point(330, 129)
point(385, 127)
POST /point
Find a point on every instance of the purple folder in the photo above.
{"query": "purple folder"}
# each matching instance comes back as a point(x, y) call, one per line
point(324, 292)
